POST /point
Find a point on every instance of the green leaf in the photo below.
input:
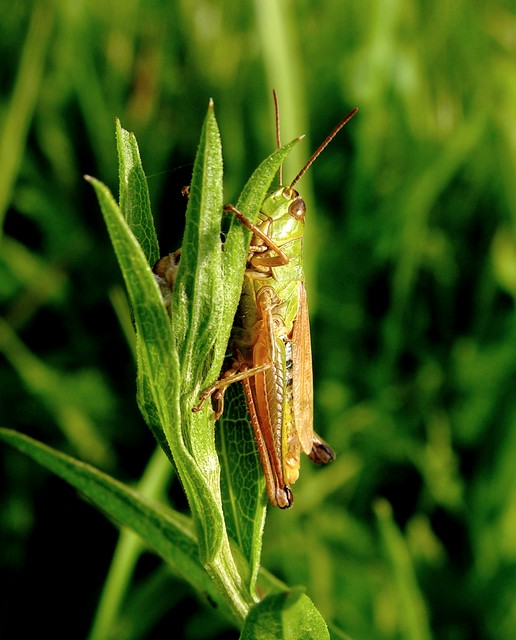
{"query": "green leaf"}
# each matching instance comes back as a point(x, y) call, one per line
point(242, 480)
point(169, 533)
point(290, 615)
point(134, 199)
point(195, 311)
point(197, 300)
point(145, 397)
point(156, 355)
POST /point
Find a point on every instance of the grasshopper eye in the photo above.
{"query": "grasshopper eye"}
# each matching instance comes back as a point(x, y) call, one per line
point(297, 209)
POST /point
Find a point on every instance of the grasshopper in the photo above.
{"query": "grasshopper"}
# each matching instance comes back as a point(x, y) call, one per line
point(270, 339)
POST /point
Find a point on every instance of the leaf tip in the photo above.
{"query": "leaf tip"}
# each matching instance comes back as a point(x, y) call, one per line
point(92, 180)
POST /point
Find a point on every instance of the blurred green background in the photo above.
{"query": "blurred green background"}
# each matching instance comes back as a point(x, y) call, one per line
point(411, 261)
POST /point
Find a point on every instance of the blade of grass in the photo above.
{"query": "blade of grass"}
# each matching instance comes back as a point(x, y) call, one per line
point(22, 104)
point(411, 605)
point(152, 485)
point(49, 387)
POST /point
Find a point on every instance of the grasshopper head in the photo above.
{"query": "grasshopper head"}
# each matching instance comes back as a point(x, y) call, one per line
point(296, 207)
point(285, 201)
point(285, 209)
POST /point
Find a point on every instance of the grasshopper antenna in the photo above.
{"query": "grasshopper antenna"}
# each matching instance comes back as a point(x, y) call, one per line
point(278, 135)
point(322, 146)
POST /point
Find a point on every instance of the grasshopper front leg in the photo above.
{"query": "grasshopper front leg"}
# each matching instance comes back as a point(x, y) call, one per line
point(281, 257)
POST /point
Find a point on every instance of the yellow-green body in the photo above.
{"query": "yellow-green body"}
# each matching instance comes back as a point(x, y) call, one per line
point(271, 328)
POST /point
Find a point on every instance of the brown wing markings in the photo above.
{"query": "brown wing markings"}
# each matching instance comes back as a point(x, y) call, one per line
point(302, 376)
point(267, 391)
point(278, 494)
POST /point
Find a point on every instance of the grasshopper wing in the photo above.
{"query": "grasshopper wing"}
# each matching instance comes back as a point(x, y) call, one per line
point(302, 376)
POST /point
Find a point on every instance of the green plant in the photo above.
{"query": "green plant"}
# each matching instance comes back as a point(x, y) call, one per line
point(409, 256)
point(177, 357)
